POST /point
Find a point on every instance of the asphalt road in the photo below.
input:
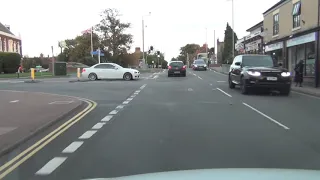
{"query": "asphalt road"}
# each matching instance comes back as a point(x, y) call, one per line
point(179, 123)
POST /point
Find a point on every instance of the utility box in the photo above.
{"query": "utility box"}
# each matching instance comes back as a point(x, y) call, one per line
point(60, 68)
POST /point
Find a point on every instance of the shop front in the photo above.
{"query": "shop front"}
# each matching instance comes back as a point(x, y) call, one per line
point(275, 50)
point(254, 47)
point(303, 48)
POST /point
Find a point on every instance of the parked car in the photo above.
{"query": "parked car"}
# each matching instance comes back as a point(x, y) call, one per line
point(110, 71)
point(253, 71)
point(199, 64)
point(177, 68)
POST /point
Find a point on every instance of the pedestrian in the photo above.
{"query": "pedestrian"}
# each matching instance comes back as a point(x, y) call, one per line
point(298, 78)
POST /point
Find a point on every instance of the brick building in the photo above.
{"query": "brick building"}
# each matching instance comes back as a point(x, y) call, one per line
point(8, 41)
point(292, 34)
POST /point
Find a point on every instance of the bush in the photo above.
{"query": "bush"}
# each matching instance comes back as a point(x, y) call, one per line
point(9, 62)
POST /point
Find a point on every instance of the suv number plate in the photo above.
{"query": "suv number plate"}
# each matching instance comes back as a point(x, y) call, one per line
point(272, 78)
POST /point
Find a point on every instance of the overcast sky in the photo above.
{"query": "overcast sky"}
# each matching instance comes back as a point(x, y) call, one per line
point(172, 24)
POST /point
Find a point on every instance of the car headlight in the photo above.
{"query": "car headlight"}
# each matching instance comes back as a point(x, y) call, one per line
point(195, 65)
point(205, 65)
point(285, 74)
point(254, 73)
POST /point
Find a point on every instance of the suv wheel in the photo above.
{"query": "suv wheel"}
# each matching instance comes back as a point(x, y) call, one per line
point(243, 86)
point(231, 84)
point(285, 91)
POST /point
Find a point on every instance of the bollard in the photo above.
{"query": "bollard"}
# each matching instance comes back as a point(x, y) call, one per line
point(78, 74)
point(32, 74)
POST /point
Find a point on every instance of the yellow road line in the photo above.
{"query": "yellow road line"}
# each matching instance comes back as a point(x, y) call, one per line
point(48, 138)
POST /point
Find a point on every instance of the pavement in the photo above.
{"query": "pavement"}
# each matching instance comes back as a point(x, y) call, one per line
point(23, 114)
point(160, 124)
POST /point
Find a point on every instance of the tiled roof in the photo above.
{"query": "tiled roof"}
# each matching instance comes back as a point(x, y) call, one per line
point(277, 4)
point(260, 24)
point(4, 29)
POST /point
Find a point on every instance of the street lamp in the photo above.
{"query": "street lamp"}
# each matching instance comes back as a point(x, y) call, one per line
point(143, 36)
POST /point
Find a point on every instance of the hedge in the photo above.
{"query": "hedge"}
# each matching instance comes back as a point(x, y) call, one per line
point(9, 62)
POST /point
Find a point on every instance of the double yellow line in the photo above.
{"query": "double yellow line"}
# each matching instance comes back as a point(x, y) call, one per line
point(29, 152)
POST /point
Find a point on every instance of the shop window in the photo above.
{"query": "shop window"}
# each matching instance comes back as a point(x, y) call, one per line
point(310, 59)
point(276, 24)
point(296, 12)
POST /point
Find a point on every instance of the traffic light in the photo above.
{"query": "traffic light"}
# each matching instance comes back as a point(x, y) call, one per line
point(151, 48)
point(158, 52)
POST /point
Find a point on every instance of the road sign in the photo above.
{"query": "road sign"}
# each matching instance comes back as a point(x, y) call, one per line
point(97, 52)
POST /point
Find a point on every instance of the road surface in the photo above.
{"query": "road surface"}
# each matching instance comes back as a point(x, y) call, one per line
point(179, 123)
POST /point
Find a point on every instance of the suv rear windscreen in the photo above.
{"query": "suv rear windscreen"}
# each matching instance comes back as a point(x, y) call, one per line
point(176, 64)
point(199, 62)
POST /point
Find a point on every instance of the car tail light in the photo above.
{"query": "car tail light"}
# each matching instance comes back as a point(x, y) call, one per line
point(183, 67)
point(169, 67)
point(83, 70)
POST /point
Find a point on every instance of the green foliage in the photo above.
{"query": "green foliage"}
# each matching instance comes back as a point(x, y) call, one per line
point(9, 62)
point(227, 51)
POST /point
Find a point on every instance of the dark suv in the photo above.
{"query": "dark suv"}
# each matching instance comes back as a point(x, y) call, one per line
point(258, 71)
point(177, 68)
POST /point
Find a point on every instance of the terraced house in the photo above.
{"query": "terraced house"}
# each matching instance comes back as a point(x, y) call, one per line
point(8, 41)
point(291, 34)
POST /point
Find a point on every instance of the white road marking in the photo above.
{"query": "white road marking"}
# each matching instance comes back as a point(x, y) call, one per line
point(107, 118)
point(156, 76)
point(14, 101)
point(210, 84)
point(61, 102)
point(224, 92)
point(133, 96)
point(51, 166)
point(221, 81)
point(113, 112)
point(120, 107)
point(143, 86)
point(194, 74)
point(72, 147)
point(266, 116)
point(125, 102)
point(136, 93)
point(87, 134)
point(190, 89)
point(129, 99)
point(199, 77)
point(99, 125)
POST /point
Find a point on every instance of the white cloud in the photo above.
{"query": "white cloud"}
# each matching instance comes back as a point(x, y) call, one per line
point(171, 25)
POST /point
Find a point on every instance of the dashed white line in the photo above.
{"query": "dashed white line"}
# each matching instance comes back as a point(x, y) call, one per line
point(107, 118)
point(113, 112)
point(125, 102)
point(224, 92)
point(87, 134)
point(99, 125)
point(156, 76)
point(120, 107)
point(133, 96)
point(199, 77)
point(129, 99)
point(137, 91)
point(14, 101)
point(266, 116)
point(72, 147)
point(51, 166)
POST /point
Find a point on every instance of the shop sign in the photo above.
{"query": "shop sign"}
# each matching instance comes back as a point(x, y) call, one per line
point(253, 45)
point(275, 46)
point(301, 39)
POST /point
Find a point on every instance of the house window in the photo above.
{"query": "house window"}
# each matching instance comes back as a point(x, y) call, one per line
point(276, 24)
point(296, 12)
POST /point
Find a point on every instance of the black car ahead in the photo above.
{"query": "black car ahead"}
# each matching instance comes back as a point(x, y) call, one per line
point(177, 68)
point(199, 64)
point(258, 71)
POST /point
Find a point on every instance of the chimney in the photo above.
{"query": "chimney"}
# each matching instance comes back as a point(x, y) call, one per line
point(7, 26)
point(137, 49)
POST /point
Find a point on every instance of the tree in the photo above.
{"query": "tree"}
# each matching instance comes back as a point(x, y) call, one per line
point(112, 31)
point(228, 46)
point(190, 49)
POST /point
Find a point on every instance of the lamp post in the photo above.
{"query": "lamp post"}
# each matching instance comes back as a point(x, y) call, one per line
point(143, 36)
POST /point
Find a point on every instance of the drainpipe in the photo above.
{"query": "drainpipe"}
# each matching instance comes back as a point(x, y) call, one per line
point(317, 74)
